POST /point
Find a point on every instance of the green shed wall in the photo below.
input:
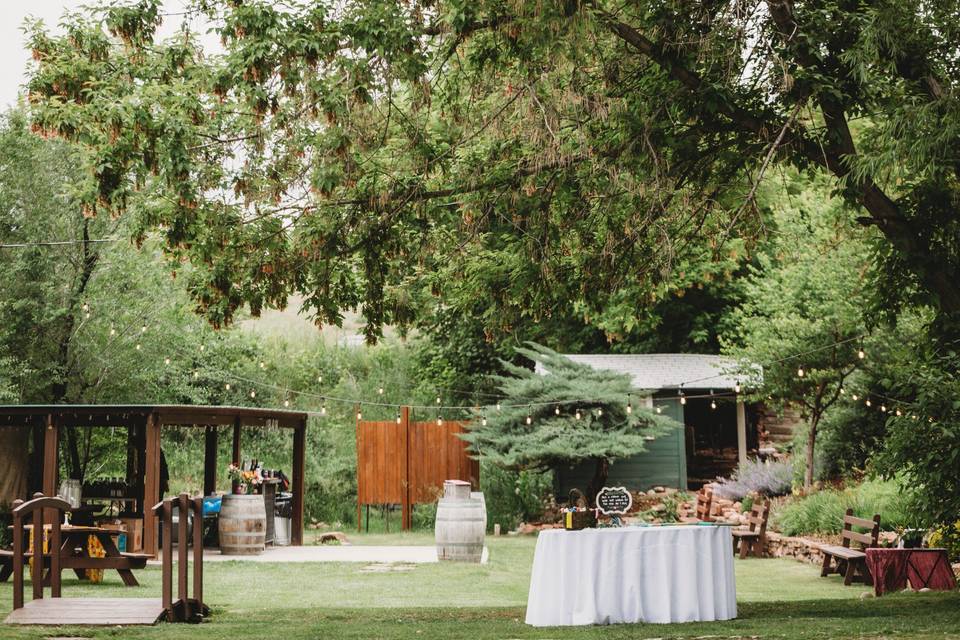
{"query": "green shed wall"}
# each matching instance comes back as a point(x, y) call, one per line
point(664, 463)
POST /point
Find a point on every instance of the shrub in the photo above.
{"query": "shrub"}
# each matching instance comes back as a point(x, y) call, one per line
point(514, 497)
point(823, 512)
point(948, 537)
point(764, 478)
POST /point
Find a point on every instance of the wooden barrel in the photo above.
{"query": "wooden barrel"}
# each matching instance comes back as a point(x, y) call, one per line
point(242, 525)
point(460, 524)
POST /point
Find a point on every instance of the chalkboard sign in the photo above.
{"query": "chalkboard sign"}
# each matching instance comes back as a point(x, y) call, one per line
point(614, 500)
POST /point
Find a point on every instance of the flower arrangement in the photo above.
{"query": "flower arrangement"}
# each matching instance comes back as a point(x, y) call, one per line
point(243, 480)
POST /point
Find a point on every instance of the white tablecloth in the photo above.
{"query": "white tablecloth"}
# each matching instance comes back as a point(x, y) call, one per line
point(632, 574)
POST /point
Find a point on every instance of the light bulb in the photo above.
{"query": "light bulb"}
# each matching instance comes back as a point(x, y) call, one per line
point(800, 372)
point(883, 408)
point(529, 420)
point(196, 374)
point(713, 404)
point(855, 397)
point(659, 409)
point(483, 420)
point(868, 403)
point(842, 391)
point(86, 306)
point(861, 354)
point(439, 421)
point(899, 413)
point(438, 399)
point(599, 412)
point(286, 403)
point(202, 347)
point(253, 394)
point(319, 379)
point(323, 409)
point(556, 410)
point(629, 408)
point(359, 415)
point(263, 365)
point(138, 346)
point(113, 331)
point(578, 414)
point(398, 417)
point(736, 387)
point(166, 361)
point(380, 390)
point(498, 405)
point(683, 399)
point(143, 329)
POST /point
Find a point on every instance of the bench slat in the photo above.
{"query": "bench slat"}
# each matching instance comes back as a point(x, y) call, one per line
point(864, 538)
point(842, 552)
point(859, 522)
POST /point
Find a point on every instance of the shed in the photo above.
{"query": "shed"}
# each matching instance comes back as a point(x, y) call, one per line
point(43, 424)
point(719, 430)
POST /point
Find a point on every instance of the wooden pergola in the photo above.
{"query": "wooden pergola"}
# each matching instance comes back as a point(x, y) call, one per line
point(143, 424)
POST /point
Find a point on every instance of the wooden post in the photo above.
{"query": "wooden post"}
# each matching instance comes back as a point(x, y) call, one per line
point(236, 441)
point(198, 553)
point(741, 432)
point(210, 460)
point(36, 571)
point(299, 482)
point(36, 459)
point(54, 554)
point(406, 520)
point(51, 459)
point(151, 484)
point(17, 556)
point(183, 542)
point(166, 517)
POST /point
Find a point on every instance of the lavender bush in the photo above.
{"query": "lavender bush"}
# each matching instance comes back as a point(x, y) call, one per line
point(766, 478)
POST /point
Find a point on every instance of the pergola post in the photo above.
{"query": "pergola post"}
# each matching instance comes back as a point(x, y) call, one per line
point(741, 432)
point(299, 473)
point(406, 519)
point(51, 460)
point(236, 441)
point(210, 460)
point(151, 484)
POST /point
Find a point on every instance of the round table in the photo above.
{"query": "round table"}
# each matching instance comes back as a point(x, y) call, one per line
point(632, 574)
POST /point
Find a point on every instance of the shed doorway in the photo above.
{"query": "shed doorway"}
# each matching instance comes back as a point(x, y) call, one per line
point(711, 439)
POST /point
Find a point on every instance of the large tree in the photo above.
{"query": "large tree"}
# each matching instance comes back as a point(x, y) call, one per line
point(531, 155)
point(544, 421)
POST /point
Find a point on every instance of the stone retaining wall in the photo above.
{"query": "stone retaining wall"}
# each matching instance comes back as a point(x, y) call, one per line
point(802, 549)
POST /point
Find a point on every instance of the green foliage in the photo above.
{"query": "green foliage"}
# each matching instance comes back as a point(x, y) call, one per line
point(605, 430)
point(513, 497)
point(822, 512)
point(805, 295)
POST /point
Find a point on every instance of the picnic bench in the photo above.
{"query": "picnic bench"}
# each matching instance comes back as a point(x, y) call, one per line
point(849, 561)
point(753, 539)
point(704, 504)
point(75, 554)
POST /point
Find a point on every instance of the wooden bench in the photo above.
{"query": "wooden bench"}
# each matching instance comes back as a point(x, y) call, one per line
point(6, 564)
point(850, 561)
point(704, 504)
point(753, 539)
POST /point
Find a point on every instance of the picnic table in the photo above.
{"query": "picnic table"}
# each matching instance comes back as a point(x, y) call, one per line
point(923, 568)
point(75, 554)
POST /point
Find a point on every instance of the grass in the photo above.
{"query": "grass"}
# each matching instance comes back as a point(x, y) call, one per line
point(776, 598)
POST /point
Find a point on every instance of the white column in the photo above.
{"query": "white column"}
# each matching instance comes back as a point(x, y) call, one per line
point(741, 431)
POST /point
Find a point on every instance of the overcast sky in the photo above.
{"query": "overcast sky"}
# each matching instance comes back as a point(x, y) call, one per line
point(13, 51)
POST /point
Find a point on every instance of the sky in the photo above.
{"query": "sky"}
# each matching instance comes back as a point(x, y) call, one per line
point(13, 50)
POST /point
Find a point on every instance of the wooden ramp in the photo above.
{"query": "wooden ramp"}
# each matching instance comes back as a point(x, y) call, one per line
point(89, 611)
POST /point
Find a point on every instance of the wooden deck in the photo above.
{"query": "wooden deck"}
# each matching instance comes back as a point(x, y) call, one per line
point(89, 611)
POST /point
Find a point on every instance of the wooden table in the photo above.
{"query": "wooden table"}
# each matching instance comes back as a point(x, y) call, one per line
point(75, 554)
point(923, 568)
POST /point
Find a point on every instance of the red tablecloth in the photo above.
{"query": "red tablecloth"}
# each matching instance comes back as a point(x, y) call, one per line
point(924, 568)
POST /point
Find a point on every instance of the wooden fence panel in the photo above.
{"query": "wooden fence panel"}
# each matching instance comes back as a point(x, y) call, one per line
point(410, 461)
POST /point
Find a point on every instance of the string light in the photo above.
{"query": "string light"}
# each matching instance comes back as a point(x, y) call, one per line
point(868, 403)
point(860, 352)
point(578, 416)
point(498, 405)
point(263, 365)
point(286, 403)
point(659, 409)
point(599, 411)
point(483, 420)
point(883, 408)
point(323, 409)
point(202, 347)
point(736, 387)
point(137, 347)
point(380, 390)
point(438, 399)
point(842, 391)
point(398, 417)
point(800, 371)
point(253, 394)
point(898, 412)
point(439, 421)
point(629, 405)
point(359, 414)
point(855, 397)
point(227, 386)
point(166, 361)
point(713, 404)
point(113, 330)
point(683, 398)
point(319, 379)
point(143, 329)
point(556, 410)
point(529, 419)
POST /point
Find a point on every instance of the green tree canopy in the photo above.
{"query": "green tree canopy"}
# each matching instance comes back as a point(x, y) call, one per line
point(565, 413)
point(530, 155)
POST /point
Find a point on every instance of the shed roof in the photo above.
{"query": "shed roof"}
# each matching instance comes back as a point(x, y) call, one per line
point(671, 370)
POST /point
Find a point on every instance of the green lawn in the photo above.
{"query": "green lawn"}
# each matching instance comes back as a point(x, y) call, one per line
point(777, 598)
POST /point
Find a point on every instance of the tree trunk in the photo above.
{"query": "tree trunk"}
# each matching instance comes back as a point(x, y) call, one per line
point(811, 445)
point(601, 470)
